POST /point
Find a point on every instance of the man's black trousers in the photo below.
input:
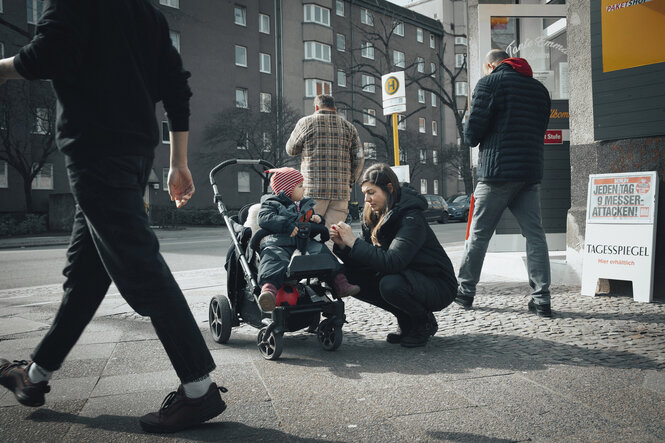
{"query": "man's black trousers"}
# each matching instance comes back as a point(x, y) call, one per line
point(112, 241)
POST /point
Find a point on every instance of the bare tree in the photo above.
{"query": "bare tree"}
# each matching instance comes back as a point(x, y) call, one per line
point(442, 83)
point(247, 133)
point(27, 130)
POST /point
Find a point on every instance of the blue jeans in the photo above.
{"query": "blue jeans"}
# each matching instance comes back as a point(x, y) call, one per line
point(523, 200)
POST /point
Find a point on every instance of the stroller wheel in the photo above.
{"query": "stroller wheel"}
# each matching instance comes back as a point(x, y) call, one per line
point(220, 318)
point(270, 344)
point(329, 335)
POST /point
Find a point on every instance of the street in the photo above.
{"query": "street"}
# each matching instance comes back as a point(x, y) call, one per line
point(184, 250)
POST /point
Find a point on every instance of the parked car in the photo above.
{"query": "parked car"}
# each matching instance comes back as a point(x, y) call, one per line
point(458, 207)
point(437, 208)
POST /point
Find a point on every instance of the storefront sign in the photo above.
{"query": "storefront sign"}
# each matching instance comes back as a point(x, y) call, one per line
point(632, 33)
point(620, 236)
point(553, 137)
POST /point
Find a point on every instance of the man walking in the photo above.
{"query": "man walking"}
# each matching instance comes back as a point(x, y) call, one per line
point(110, 62)
point(332, 158)
point(509, 116)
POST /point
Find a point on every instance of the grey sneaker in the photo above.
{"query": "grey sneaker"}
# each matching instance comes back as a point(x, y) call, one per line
point(14, 376)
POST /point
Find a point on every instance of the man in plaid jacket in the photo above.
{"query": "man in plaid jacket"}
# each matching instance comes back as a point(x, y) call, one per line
point(332, 158)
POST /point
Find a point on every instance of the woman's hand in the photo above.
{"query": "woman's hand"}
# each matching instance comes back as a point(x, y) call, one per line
point(334, 236)
point(345, 234)
point(315, 218)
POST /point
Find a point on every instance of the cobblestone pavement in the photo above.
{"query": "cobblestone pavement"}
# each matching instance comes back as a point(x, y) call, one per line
point(612, 331)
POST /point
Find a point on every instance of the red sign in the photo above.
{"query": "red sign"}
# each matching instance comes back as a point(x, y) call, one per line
point(553, 137)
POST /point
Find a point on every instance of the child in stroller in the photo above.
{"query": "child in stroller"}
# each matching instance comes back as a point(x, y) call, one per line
point(280, 214)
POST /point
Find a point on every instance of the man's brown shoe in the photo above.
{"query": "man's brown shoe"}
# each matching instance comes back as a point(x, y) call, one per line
point(179, 412)
point(14, 376)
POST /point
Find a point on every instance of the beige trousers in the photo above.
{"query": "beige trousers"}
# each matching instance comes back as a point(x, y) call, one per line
point(333, 211)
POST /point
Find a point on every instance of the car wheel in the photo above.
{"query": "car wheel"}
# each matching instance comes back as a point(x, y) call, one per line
point(466, 216)
point(444, 218)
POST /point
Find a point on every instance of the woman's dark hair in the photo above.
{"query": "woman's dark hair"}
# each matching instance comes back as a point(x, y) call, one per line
point(381, 175)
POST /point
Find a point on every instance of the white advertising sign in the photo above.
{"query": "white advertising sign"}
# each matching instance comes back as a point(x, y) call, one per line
point(394, 93)
point(620, 235)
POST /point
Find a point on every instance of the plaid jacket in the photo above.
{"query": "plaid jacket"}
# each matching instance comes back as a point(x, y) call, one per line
point(332, 156)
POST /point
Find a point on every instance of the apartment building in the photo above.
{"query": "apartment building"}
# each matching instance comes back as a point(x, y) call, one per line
point(254, 59)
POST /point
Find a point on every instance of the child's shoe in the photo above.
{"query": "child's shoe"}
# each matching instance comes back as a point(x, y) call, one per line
point(343, 288)
point(267, 297)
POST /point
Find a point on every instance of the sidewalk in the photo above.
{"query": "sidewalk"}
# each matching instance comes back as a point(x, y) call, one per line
point(595, 372)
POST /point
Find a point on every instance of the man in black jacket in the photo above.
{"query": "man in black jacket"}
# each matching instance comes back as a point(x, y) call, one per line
point(508, 118)
point(110, 63)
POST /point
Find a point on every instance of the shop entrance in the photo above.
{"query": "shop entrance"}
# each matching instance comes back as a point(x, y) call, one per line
point(536, 32)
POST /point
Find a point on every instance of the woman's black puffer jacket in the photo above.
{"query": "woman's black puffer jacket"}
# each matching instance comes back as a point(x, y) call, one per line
point(408, 244)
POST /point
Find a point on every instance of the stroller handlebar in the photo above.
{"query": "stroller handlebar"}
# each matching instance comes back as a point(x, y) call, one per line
point(237, 161)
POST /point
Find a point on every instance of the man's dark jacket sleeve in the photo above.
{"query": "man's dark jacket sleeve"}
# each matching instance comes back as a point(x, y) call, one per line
point(481, 112)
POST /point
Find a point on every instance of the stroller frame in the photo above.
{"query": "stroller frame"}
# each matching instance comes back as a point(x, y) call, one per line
point(241, 301)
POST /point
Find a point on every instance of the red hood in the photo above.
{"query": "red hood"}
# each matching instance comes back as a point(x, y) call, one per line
point(520, 65)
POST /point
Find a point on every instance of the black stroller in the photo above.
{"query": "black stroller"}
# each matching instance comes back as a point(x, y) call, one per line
point(309, 275)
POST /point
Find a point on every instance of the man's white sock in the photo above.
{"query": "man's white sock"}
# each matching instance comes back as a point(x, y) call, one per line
point(38, 374)
point(197, 388)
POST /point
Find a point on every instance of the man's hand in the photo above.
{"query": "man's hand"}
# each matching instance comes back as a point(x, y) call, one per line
point(181, 185)
point(295, 232)
point(315, 218)
point(7, 70)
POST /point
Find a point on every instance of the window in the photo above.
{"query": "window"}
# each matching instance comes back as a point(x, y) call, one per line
point(460, 41)
point(170, 3)
point(401, 122)
point(35, 9)
point(402, 155)
point(423, 186)
point(341, 78)
point(240, 16)
point(265, 102)
point(460, 88)
point(241, 56)
point(165, 179)
point(421, 96)
point(367, 50)
point(369, 117)
point(314, 87)
point(399, 29)
point(421, 64)
point(423, 156)
point(398, 59)
point(264, 63)
point(368, 83)
point(267, 142)
point(241, 98)
point(459, 60)
point(317, 51)
point(435, 186)
point(369, 149)
point(175, 39)
point(435, 159)
point(166, 135)
point(243, 181)
point(421, 125)
point(339, 8)
point(432, 41)
point(432, 69)
point(243, 141)
point(419, 35)
point(433, 100)
point(434, 128)
point(341, 42)
point(1, 10)
point(41, 123)
point(366, 17)
point(264, 24)
point(44, 178)
point(317, 14)
point(4, 179)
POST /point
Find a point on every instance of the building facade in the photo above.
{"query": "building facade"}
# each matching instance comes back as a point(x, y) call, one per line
point(256, 66)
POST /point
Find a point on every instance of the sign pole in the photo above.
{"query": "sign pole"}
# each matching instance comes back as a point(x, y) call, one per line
point(395, 139)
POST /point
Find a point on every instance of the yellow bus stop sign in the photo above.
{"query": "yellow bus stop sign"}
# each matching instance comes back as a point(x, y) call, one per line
point(392, 85)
